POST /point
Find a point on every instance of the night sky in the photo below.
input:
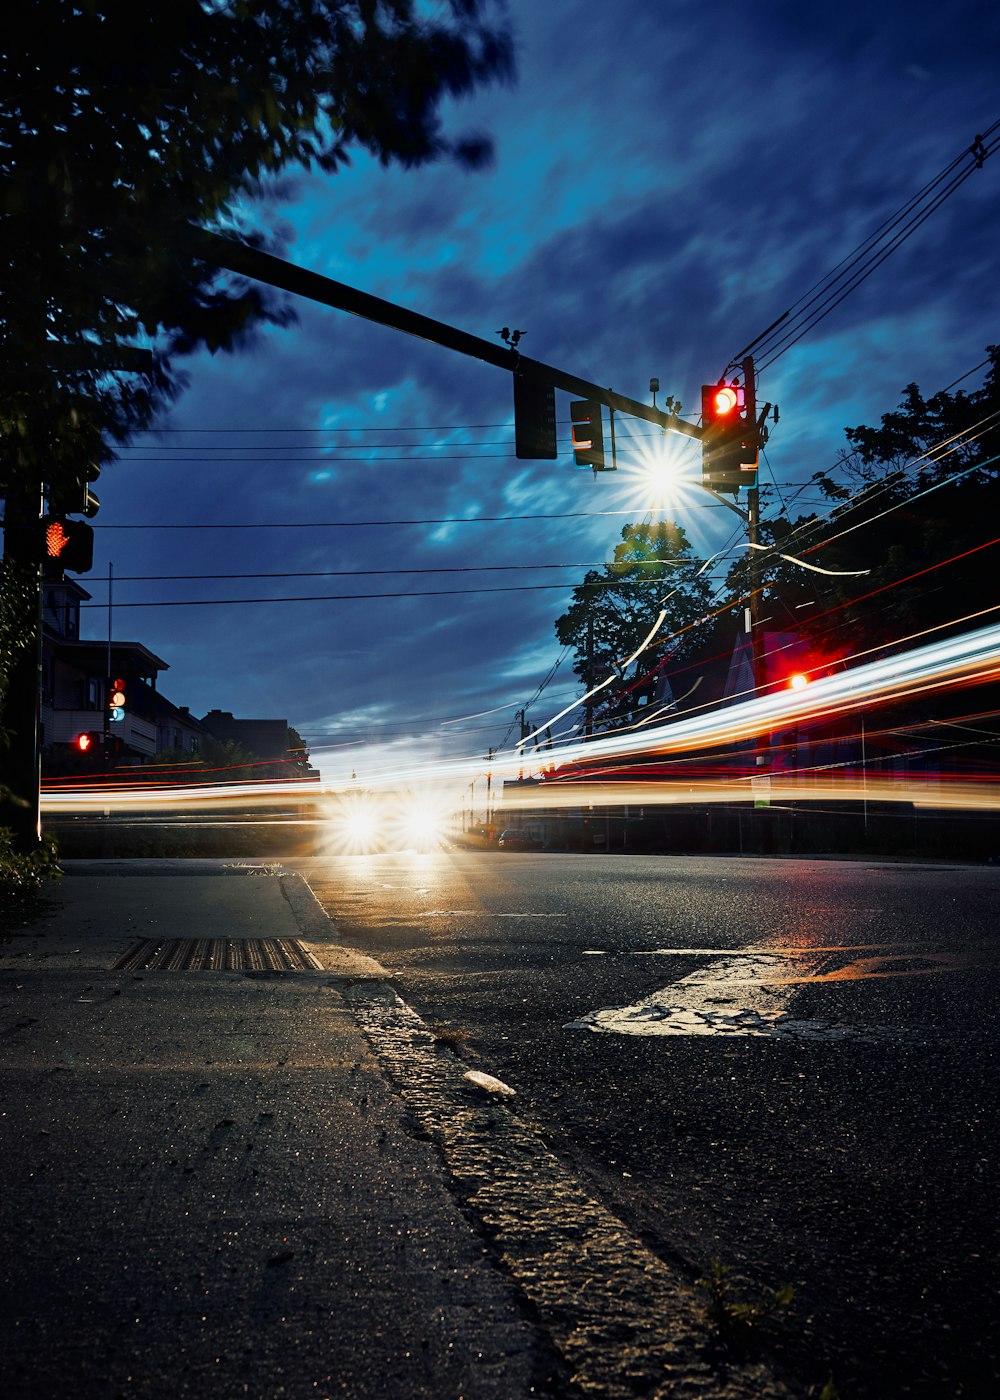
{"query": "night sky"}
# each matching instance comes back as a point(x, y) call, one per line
point(668, 179)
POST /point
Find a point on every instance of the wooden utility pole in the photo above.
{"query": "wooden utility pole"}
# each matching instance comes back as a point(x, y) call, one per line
point(20, 759)
point(753, 538)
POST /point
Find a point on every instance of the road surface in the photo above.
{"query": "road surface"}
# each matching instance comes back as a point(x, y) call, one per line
point(789, 1066)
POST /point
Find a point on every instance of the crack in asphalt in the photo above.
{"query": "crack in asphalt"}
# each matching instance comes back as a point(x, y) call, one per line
point(625, 1322)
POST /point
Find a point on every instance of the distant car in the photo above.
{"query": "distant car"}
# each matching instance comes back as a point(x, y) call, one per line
point(518, 841)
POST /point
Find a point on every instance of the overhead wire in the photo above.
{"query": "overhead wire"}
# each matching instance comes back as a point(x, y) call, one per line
point(827, 293)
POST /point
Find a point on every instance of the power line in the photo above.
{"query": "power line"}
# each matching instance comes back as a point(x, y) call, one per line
point(359, 597)
point(380, 573)
point(381, 428)
point(851, 271)
point(369, 524)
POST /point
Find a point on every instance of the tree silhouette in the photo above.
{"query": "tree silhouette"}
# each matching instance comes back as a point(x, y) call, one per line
point(124, 124)
point(614, 609)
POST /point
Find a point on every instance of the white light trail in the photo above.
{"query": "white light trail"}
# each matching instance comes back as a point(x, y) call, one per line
point(597, 688)
point(972, 658)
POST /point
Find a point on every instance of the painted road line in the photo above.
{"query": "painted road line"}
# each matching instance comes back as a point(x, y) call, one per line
point(751, 993)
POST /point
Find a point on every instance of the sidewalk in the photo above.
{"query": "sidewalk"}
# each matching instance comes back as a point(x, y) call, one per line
point(208, 1187)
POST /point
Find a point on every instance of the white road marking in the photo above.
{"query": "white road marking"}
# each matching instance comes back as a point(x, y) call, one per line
point(742, 994)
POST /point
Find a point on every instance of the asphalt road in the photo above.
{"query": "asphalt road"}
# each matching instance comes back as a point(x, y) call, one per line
point(785, 1065)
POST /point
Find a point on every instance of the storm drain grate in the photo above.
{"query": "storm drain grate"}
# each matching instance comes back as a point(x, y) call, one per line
point(218, 955)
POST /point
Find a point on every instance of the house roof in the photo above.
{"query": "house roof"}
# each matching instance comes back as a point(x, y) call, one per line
point(164, 709)
point(95, 654)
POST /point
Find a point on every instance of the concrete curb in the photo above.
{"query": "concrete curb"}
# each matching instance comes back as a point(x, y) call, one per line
point(319, 932)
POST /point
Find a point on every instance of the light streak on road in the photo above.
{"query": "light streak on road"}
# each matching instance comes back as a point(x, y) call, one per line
point(969, 659)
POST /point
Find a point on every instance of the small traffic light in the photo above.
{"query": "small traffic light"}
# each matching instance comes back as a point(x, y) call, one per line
point(729, 445)
point(116, 701)
point(588, 434)
point(83, 742)
point(534, 420)
point(68, 544)
point(798, 681)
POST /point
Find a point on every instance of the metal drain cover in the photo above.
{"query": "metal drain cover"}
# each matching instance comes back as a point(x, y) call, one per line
point(217, 955)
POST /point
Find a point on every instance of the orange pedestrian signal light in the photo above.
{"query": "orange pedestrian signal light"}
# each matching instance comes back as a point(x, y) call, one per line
point(56, 540)
point(68, 544)
point(83, 742)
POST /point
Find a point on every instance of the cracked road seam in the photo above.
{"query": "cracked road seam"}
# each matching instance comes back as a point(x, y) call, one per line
point(625, 1322)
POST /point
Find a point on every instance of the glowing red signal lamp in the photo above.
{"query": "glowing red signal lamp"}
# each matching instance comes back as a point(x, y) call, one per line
point(83, 742)
point(725, 400)
point(798, 681)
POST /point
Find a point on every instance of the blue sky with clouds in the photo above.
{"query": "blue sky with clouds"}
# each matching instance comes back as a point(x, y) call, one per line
point(668, 179)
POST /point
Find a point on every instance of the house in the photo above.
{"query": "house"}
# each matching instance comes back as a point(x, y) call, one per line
point(76, 687)
point(177, 730)
point(75, 675)
point(271, 741)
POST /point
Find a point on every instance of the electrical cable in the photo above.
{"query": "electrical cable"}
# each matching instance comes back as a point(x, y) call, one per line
point(830, 290)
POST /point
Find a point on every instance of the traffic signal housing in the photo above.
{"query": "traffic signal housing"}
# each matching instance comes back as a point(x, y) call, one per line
point(73, 496)
point(67, 544)
point(534, 420)
point(588, 434)
point(117, 700)
point(729, 444)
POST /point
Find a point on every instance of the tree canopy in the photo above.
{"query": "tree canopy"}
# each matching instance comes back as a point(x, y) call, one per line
point(122, 124)
point(613, 610)
point(907, 540)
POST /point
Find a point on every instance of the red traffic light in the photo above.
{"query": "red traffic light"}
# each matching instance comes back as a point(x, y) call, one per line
point(84, 742)
point(726, 400)
point(729, 438)
point(721, 403)
point(798, 681)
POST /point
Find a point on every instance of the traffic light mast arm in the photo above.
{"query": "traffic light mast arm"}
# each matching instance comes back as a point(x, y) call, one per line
point(235, 256)
point(723, 502)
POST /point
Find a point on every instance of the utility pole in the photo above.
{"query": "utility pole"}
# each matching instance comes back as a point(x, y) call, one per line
point(20, 761)
point(24, 491)
point(758, 653)
point(489, 788)
point(753, 538)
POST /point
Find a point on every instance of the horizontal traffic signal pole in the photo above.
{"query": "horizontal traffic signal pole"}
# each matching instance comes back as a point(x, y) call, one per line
point(236, 256)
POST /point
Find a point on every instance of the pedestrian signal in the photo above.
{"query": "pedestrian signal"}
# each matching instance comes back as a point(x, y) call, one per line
point(68, 544)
